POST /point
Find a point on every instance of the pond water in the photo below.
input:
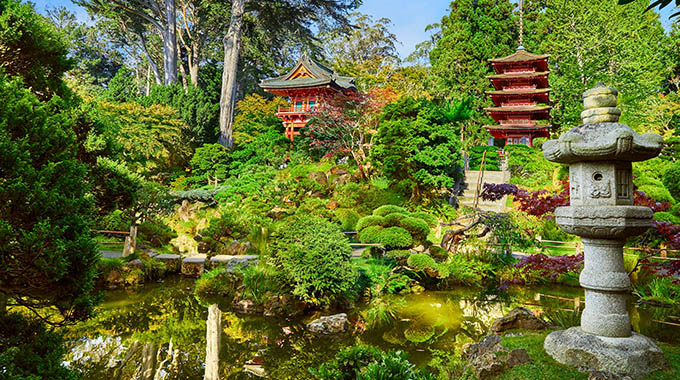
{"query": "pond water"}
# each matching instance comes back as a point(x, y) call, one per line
point(131, 335)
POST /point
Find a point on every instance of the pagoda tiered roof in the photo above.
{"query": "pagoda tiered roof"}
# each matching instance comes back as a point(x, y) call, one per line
point(307, 73)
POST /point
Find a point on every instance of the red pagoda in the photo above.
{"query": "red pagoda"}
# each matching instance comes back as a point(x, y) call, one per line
point(521, 97)
point(306, 85)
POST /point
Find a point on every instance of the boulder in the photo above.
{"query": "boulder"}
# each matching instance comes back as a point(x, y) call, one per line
point(487, 366)
point(193, 265)
point(485, 362)
point(232, 262)
point(518, 318)
point(342, 179)
point(516, 357)
point(319, 177)
point(491, 343)
point(247, 306)
point(172, 262)
point(336, 170)
point(602, 375)
point(331, 324)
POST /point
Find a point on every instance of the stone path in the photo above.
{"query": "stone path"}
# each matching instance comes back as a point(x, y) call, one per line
point(195, 265)
point(468, 197)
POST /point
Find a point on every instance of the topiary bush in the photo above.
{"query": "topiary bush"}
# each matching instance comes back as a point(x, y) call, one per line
point(371, 220)
point(395, 237)
point(370, 234)
point(347, 217)
point(394, 219)
point(421, 262)
point(427, 218)
point(671, 180)
point(388, 209)
point(313, 256)
point(417, 227)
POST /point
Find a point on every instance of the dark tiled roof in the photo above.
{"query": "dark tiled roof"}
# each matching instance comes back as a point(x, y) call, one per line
point(322, 76)
point(517, 109)
point(518, 75)
point(520, 55)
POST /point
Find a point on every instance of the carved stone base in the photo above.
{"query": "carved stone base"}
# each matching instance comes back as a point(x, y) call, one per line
point(636, 356)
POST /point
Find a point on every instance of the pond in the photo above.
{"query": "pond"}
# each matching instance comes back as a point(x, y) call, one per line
point(159, 330)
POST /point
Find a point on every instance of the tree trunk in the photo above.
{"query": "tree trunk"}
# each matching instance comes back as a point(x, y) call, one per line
point(131, 241)
point(148, 80)
point(152, 64)
point(182, 69)
point(232, 42)
point(212, 346)
point(170, 44)
point(193, 68)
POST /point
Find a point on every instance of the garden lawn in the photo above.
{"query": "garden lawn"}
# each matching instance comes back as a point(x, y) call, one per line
point(543, 367)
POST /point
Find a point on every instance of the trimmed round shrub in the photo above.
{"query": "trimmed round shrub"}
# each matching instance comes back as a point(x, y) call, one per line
point(394, 219)
point(427, 218)
point(371, 220)
point(370, 234)
point(395, 237)
point(388, 209)
point(348, 218)
point(398, 253)
point(421, 261)
point(313, 256)
point(417, 227)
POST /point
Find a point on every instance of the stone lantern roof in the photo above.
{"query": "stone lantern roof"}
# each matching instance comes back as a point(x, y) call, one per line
point(602, 137)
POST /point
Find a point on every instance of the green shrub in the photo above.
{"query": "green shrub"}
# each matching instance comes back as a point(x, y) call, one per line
point(438, 252)
point(259, 281)
point(427, 218)
point(347, 217)
point(394, 219)
point(395, 237)
point(398, 253)
point(371, 220)
point(155, 232)
point(421, 262)
point(361, 362)
point(217, 281)
point(465, 271)
point(416, 226)
point(657, 193)
point(29, 351)
point(313, 256)
point(370, 234)
point(388, 209)
point(116, 220)
point(665, 216)
point(671, 180)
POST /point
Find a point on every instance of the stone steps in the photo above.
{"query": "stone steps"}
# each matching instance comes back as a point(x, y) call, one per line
point(468, 196)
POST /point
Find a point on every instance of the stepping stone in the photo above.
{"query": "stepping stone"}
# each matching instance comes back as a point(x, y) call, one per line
point(193, 265)
point(111, 254)
point(232, 262)
point(172, 262)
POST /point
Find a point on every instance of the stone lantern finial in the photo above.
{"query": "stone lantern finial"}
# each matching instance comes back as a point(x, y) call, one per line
point(600, 105)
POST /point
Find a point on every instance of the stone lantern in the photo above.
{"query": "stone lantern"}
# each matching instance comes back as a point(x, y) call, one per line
point(599, 153)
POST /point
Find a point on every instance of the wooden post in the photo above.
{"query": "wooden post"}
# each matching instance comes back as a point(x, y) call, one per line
point(212, 346)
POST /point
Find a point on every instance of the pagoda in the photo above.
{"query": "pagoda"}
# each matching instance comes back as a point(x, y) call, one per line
point(307, 85)
point(520, 97)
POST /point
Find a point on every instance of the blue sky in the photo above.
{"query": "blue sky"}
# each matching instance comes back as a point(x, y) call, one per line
point(409, 17)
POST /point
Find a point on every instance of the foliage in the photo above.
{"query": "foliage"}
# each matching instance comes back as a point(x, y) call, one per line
point(663, 290)
point(417, 145)
point(47, 255)
point(421, 262)
point(347, 217)
point(268, 148)
point(155, 232)
point(540, 267)
point(661, 4)
point(361, 362)
point(210, 164)
point(529, 168)
point(370, 220)
point(256, 115)
point(259, 281)
point(491, 158)
point(23, 33)
point(29, 351)
point(217, 281)
point(389, 209)
point(671, 180)
point(538, 202)
point(417, 227)
point(395, 237)
point(313, 256)
point(122, 87)
point(231, 224)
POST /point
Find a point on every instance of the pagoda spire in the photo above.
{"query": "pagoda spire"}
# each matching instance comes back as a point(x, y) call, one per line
point(521, 23)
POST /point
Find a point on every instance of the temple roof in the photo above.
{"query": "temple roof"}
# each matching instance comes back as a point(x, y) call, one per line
point(518, 56)
point(518, 127)
point(306, 73)
point(520, 91)
point(518, 109)
point(518, 75)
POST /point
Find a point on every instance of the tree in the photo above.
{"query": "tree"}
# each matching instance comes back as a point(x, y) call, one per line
point(232, 44)
point(417, 146)
point(47, 255)
point(473, 31)
point(660, 3)
point(160, 14)
point(122, 87)
point(31, 48)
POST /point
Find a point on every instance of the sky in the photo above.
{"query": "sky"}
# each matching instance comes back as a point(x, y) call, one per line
point(409, 17)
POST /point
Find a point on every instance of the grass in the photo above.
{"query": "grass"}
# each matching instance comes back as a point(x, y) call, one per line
point(544, 367)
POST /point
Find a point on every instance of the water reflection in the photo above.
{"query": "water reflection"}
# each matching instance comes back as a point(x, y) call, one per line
point(163, 331)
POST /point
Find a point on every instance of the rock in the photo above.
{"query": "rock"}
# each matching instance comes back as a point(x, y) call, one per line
point(336, 170)
point(332, 205)
point(319, 177)
point(491, 343)
point(331, 324)
point(137, 263)
point(203, 247)
point(516, 357)
point(277, 213)
point(417, 289)
point(172, 262)
point(247, 307)
point(419, 249)
point(233, 248)
point(518, 318)
point(601, 375)
point(193, 265)
point(283, 306)
point(487, 366)
point(255, 369)
point(114, 279)
point(342, 179)
point(233, 262)
point(636, 356)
